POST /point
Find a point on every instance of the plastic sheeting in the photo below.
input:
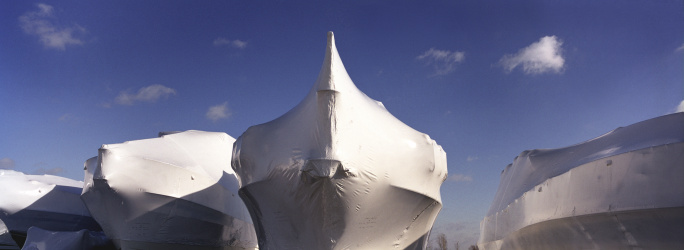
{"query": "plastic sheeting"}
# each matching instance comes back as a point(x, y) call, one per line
point(177, 191)
point(41, 239)
point(620, 190)
point(6, 241)
point(338, 171)
point(46, 201)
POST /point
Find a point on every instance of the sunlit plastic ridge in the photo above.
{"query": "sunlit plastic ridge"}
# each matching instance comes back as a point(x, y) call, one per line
point(622, 190)
point(173, 192)
point(338, 171)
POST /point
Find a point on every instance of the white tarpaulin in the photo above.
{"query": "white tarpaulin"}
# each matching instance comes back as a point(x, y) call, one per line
point(46, 201)
point(623, 189)
point(41, 239)
point(173, 192)
point(338, 171)
point(6, 241)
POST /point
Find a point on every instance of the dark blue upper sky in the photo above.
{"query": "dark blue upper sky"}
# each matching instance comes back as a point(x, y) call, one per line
point(485, 79)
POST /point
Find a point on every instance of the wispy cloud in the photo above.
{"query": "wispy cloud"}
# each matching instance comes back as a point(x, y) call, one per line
point(66, 117)
point(234, 43)
point(444, 61)
point(680, 49)
point(6, 163)
point(680, 107)
point(540, 57)
point(41, 23)
point(459, 178)
point(218, 112)
point(50, 171)
point(150, 93)
point(471, 158)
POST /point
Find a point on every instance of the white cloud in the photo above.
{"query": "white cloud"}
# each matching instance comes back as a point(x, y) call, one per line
point(239, 44)
point(66, 117)
point(680, 107)
point(235, 43)
point(444, 61)
point(221, 41)
point(472, 158)
point(540, 57)
point(460, 178)
point(6, 163)
point(681, 48)
point(53, 36)
point(218, 112)
point(150, 93)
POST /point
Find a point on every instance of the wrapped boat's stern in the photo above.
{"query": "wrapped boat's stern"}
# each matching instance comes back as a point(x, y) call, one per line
point(173, 192)
point(621, 190)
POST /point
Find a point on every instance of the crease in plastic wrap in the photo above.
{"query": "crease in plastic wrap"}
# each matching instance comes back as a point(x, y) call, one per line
point(41, 239)
point(6, 241)
point(623, 189)
point(177, 191)
point(338, 171)
point(46, 201)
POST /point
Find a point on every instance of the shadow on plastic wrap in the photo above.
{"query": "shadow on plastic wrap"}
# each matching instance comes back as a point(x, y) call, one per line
point(338, 171)
point(620, 190)
point(172, 198)
point(45, 201)
point(41, 239)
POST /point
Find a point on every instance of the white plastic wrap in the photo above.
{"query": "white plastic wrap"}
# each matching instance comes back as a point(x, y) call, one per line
point(621, 190)
point(6, 241)
point(41, 239)
point(46, 201)
point(338, 171)
point(173, 192)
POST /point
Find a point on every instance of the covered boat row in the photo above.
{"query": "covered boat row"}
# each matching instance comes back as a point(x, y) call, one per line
point(338, 171)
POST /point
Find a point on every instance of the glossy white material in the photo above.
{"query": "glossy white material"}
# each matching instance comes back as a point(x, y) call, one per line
point(6, 241)
point(338, 171)
point(177, 191)
point(47, 201)
point(41, 239)
point(610, 191)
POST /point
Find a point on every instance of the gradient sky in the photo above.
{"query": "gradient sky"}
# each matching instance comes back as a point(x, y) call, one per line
point(485, 79)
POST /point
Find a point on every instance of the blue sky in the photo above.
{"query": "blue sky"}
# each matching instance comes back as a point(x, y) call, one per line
point(485, 79)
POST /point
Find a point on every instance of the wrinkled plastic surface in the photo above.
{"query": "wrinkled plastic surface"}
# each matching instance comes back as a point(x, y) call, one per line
point(623, 189)
point(176, 191)
point(338, 171)
point(41, 239)
point(6, 241)
point(46, 201)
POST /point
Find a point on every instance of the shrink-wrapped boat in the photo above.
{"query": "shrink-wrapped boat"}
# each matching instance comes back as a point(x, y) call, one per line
point(41, 239)
point(338, 171)
point(45, 201)
point(622, 190)
point(173, 192)
point(6, 241)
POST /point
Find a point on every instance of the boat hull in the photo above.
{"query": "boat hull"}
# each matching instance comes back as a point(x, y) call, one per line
point(45, 201)
point(327, 217)
point(658, 228)
point(628, 200)
point(20, 222)
point(174, 192)
point(338, 171)
point(164, 222)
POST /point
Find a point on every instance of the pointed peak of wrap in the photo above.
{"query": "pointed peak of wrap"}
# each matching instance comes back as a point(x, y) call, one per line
point(333, 76)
